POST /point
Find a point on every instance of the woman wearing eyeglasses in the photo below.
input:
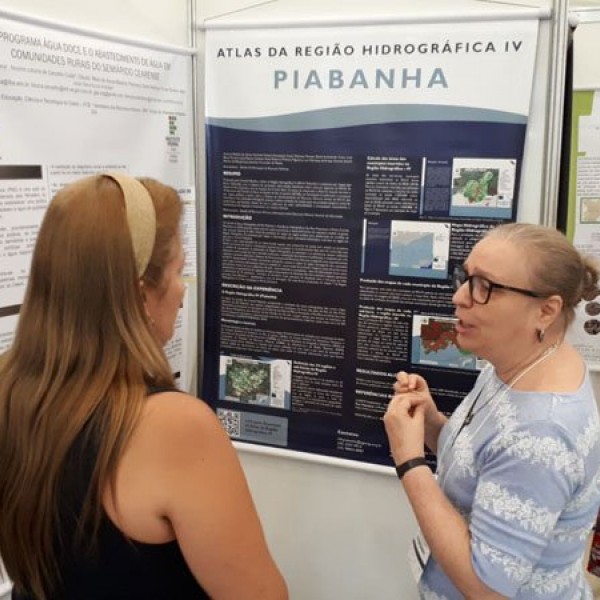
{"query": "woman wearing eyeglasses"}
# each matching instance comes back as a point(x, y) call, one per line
point(518, 483)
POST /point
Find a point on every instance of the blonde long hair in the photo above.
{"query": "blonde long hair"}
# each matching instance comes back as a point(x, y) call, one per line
point(81, 360)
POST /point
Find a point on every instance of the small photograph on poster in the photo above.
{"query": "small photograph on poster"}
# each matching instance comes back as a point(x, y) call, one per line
point(483, 187)
point(434, 344)
point(592, 308)
point(375, 261)
point(263, 382)
point(590, 210)
point(592, 326)
point(419, 249)
point(436, 196)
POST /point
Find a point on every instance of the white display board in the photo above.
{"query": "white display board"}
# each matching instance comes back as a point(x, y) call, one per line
point(72, 105)
point(584, 191)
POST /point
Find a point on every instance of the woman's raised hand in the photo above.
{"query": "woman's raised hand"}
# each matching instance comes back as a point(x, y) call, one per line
point(416, 386)
point(414, 391)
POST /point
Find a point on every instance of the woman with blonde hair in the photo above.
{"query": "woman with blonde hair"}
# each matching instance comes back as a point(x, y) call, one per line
point(519, 460)
point(112, 483)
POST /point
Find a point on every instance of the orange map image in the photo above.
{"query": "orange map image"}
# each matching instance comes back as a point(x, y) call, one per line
point(437, 335)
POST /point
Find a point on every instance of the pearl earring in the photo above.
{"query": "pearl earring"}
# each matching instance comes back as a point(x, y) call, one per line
point(541, 334)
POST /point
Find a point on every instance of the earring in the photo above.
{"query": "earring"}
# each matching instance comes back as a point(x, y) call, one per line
point(541, 334)
point(150, 320)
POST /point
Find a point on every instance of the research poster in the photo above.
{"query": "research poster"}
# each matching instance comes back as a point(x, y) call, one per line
point(72, 105)
point(584, 213)
point(350, 170)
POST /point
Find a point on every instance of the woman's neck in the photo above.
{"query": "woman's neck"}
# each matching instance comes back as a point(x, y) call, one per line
point(513, 369)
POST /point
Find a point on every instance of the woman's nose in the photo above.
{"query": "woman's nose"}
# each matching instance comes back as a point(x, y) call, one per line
point(462, 296)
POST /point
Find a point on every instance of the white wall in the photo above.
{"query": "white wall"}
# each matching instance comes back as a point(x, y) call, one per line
point(335, 532)
point(164, 21)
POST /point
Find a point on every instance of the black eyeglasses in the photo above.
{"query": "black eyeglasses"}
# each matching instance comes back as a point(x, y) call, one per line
point(481, 288)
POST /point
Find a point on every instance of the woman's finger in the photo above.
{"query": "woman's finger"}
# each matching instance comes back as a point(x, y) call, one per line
point(399, 404)
point(401, 383)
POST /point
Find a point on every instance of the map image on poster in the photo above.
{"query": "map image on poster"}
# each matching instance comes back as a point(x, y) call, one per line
point(483, 187)
point(261, 382)
point(590, 210)
point(434, 343)
point(419, 249)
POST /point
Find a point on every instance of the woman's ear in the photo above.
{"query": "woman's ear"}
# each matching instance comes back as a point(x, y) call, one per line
point(145, 301)
point(550, 310)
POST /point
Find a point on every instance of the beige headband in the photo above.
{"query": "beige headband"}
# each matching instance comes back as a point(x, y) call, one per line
point(141, 218)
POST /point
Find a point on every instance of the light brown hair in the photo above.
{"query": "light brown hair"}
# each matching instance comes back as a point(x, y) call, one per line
point(555, 265)
point(81, 361)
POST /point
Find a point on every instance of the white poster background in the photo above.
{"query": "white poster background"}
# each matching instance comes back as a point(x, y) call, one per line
point(584, 333)
point(475, 65)
point(74, 105)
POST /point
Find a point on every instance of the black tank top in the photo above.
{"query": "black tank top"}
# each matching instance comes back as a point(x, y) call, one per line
point(118, 568)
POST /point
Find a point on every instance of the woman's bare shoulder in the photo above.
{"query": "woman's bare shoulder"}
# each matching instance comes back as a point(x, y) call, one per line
point(178, 442)
point(180, 418)
point(174, 404)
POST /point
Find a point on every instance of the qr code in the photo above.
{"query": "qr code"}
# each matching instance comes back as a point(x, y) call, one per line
point(231, 421)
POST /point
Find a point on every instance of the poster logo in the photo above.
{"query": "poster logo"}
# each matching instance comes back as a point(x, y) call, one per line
point(172, 139)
